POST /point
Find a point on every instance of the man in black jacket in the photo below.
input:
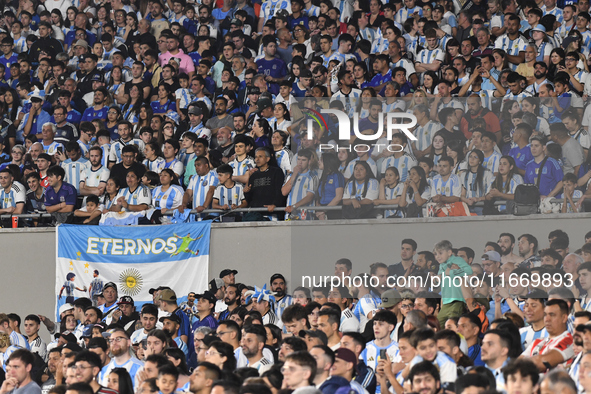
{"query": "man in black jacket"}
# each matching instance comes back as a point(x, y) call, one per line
point(264, 184)
point(87, 71)
point(45, 44)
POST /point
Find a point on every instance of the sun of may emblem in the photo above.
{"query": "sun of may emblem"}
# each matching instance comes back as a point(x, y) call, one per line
point(131, 282)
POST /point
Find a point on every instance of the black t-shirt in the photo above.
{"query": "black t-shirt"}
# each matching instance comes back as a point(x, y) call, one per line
point(120, 172)
point(266, 188)
point(141, 84)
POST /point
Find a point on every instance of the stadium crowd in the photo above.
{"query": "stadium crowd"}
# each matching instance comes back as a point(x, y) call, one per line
point(119, 111)
point(521, 326)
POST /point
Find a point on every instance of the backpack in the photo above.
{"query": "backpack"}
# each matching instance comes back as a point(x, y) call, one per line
point(527, 196)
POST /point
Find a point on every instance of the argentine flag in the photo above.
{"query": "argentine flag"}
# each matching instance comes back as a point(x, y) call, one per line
point(135, 258)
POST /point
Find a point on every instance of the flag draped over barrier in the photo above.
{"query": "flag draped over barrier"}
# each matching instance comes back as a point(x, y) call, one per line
point(134, 258)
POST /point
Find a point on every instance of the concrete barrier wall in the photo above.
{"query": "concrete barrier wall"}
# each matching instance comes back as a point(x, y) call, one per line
point(292, 248)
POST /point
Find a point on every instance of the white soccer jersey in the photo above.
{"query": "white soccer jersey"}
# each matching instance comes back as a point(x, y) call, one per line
point(156, 165)
point(75, 171)
point(141, 195)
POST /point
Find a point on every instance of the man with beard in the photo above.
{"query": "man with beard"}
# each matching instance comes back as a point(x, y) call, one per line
point(99, 111)
point(52, 364)
point(540, 72)
point(92, 315)
point(264, 183)
point(126, 315)
point(250, 353)
point(101, 348)
point(424, 378)
point(222, 119)
point(282, 300)
point(170, 325)
point(477, 111)
point(168, 304)
point(88, 365)
point(95, 177)
point(507, 243)
point(202, 378)
point(239, 122)
point(528, 248)
point(148, 319)
point(263, 306)
point(231, 299)
point(122, 357)
point(195, 122)
point(225, 145)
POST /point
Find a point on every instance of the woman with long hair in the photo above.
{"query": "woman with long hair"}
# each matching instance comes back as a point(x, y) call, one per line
point(261, 132)
point(455, 150)
point(557, 61)
point(376, 15)
point(168, 196)
point(69, 24)
point(331, 185)
point(111, 190)
point(361, 190)
point(221, 354)
point(113, 118)
point(345, 156)
point(367, 95)
point(135, 197)
point(116, 81)
point(120, 381)
point(430, 82)
point(500, 60)
point(144, 117)
point(416, 188)
point(57, 20)
point(153, 157)
point(165, 102)
point(131, 109)
point(438, 148)
point(12, 106)
point(360, 74)
point(103, 16)
point(297, 65)
point(531, 105)
point(542, 43)
point(452, 50)
point(390, 191)
point(283, 119)
point(475, 181)
point(418, 97)
point(504, 184)
point(177, 357)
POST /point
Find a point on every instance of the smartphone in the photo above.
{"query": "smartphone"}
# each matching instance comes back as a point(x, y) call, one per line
point(383, 354)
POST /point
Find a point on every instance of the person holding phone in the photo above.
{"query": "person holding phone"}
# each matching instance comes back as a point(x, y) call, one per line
point(382, 347)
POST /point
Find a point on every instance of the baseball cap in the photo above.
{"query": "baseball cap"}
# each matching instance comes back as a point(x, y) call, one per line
point(439, 8)
point(236, 22)
point(492, 256)
point(68, 336)
point(390, 298)
point(305, 73)
point(87, 332)
point(37, 96)
point(346, 355)
point(44, 156)
point(215, 284)
point(539, 28)
point(227, 272)
point(254, 90)
point(482, 300)
point(195, 111)
point(167, 295)
point(276, 276)
point(81, 43)
point(173, 317)
point(73, 346)
point(125, 300)
point(96, 343)
point(97, 78)
point(208, 295)
point(314, 334)
point(66, 307)
point(152, 291)
point(111, 285)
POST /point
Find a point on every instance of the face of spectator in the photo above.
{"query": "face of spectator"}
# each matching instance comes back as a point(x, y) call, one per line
point(119, 343)
point(382, 329)
point(325, 326)
point(492, 350)
point(251, 345)
point(110, 295)
point(294, 375)
point(554, 320)
point(5, 180)
point(90, 317)
point(425, 384)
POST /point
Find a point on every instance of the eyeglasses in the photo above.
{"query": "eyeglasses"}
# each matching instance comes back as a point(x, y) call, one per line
point(75, 367)
point(112, 112)
point(212, 353)
point(117, 339)
point(223, 333)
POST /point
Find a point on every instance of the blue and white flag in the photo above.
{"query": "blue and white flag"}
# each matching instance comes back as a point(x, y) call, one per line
point(134, 258)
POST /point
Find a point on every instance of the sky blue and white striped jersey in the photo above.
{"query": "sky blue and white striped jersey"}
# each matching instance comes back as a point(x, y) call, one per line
point(279, 306)
point(371, 354)
point(379, 45)
point(351, 166)
point(20, 45)
point(93, 178)
point(397, 104)
point(184, 95)
point(75, 171)
point(428, 56)
point(447, 367)
point(83, 148)
point(106, 148)
point(425, 134)
point(233, 195)
point(284, 157)
point(270, 8)
point(404, 163)
point(367, 33)
point(313, 11)
point(19, 340)
point(404, 63)
point(200, 186)
point(372, 193)
point(512, 47)
point(391, 194)
point(182, 345)
point(349, 100)
point(468, 179)
point(15, 195)
point(156, 165)
point(117, 146)
point(4, 356)
point(333, 56)
point(51, 149)
point(176, 166)
point(304, 183)
point(404, 13)
point(449, 188)
point(133, 366)
point(364, 306)
point(169, 199)
point(492, 162)
point(557, 12)
point(141, 195)
point(138, 336)
point(185, 157)
point(240, 167)
point(528, 335)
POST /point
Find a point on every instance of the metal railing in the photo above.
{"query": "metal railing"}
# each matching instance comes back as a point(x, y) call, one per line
point(38, 216)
